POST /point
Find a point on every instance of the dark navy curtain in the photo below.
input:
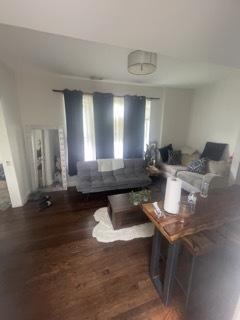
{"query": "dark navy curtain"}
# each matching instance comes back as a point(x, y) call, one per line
point(134, 117)
point(103, 122)
point(74, 119)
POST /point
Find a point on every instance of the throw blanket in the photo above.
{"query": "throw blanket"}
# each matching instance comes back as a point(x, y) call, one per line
point(109, 164)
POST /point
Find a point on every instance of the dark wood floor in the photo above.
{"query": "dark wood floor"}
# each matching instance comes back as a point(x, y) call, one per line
point(51, 267)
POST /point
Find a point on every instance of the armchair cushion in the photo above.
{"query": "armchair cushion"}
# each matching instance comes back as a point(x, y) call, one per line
point(215, 181)
point(171, 170)
point(191, 178)
point(218, 167)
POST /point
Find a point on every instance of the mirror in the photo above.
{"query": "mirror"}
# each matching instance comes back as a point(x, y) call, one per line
point(48, 165)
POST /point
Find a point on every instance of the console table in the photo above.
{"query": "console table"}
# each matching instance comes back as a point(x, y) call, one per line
point(221, 207)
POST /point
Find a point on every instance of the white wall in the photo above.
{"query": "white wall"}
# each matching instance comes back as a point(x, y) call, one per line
point(215, 114)
point(176, 116)
point(215, 117)
point(11, 139)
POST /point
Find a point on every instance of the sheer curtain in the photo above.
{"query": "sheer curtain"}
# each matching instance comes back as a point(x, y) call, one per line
point(147, 123)
point(88, 128)
point(118, 116)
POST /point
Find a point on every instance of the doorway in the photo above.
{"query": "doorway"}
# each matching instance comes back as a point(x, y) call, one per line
point(47, 159)
point(5, 201)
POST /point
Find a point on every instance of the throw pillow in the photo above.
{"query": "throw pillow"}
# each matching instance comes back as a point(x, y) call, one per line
point(218, 167)
point(198, 166)
point(174, 157)
point(187, 158)
point(164, 152)
point(214, 151)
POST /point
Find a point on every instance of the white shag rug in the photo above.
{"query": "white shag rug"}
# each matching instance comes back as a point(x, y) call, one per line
point(104, 231)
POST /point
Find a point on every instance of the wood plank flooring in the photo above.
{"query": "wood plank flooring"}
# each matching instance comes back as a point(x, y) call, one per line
point(51, 267)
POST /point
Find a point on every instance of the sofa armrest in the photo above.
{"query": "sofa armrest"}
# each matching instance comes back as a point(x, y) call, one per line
point(215, 181)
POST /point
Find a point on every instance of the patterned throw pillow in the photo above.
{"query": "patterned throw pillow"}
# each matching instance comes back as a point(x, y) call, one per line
point(174, 157)
point(198, 166)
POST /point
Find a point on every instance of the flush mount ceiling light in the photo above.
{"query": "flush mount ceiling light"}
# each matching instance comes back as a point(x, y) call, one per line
point(142, 62)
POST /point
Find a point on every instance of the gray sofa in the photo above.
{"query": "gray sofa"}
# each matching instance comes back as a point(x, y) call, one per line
point(90, 180)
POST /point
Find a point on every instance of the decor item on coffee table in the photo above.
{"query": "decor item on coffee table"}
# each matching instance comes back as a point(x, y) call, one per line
point(139, 197)
point(104, 231)
point(124, 214)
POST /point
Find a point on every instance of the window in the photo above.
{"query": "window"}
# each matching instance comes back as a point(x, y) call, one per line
point(118, 119)
point(147, 123)
point(88, 128)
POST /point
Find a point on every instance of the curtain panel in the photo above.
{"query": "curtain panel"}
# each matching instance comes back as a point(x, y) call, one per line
point(134, 116)
point(74, 121)
point(103, 122)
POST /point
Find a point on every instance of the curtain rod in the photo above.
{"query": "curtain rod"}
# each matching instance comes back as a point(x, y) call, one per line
point(61, 91)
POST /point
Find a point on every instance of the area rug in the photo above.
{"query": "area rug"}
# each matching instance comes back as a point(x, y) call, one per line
point(104, 231)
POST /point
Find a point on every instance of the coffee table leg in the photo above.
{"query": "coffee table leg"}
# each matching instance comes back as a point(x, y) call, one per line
point(164, 288)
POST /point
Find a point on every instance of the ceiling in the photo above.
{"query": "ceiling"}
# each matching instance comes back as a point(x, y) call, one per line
point(204, 31)
point(24, 49)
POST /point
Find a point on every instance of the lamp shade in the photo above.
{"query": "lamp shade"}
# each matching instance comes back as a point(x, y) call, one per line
point(142, 62)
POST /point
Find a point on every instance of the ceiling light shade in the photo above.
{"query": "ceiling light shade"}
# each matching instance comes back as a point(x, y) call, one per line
point(142, 62)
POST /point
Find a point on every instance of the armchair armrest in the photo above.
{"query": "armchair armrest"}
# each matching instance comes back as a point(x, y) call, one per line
point(215, 181)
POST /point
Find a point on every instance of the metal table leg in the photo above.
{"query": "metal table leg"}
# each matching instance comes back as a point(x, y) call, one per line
point(164, 288)
point(171, 266)
point(155, 262)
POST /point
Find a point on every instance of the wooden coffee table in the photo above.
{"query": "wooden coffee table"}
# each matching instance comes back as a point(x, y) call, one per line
point(122, 213)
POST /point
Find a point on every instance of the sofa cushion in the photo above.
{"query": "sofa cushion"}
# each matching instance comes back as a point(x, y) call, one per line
point(172, 169)
point(198, 166)
point(192, 178)
point(164, 152)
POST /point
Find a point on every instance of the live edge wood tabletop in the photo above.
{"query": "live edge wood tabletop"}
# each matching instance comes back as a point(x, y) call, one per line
point(220, 208)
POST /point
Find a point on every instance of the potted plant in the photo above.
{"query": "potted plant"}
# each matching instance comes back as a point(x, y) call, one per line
point(135, 198)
